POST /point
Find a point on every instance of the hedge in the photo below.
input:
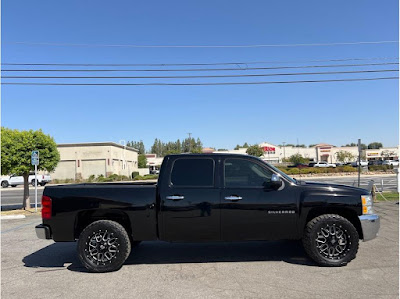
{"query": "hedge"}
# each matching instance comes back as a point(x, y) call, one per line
point(310, 170)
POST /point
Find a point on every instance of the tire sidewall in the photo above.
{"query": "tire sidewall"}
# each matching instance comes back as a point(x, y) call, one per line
point(4, 184)
point(123, 252)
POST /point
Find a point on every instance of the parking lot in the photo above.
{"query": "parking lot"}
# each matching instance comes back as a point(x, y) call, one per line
point(33, 268)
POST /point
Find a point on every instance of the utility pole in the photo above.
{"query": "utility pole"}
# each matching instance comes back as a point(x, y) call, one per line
point(190, 142)
point(359, 162)
point(284, 154)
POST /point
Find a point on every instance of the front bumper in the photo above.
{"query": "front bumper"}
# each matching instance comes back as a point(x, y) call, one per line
point(370, 225)
point(43, 231)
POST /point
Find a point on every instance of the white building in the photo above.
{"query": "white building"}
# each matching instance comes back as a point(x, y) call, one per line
point(81, 160)
point(320, 152)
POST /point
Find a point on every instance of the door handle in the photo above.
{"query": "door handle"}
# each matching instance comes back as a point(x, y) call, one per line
point(233, 198)
point(175, 197)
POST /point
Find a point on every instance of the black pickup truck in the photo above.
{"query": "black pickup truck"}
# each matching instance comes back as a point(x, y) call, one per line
point(208, 197)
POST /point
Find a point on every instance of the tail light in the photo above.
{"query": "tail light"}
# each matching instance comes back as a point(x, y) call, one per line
point(46, 207)
point(42, 177)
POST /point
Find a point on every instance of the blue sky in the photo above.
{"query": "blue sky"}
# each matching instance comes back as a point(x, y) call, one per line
point(222, 116)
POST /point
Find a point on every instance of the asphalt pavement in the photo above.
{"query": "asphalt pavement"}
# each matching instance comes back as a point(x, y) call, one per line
point(34, 268)
point(11, 198)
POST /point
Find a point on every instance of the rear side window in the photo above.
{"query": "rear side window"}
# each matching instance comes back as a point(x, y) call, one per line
point(193, 172)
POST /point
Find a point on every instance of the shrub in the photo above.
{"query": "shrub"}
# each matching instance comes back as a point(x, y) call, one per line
point(312, 170)
point(380, 168)
point(146, 177)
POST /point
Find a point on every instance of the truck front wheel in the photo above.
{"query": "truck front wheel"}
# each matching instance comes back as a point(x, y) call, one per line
point(103, 246)
point(331, 240)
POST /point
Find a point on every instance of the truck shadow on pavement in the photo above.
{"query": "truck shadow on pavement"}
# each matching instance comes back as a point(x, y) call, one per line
point(58, 254)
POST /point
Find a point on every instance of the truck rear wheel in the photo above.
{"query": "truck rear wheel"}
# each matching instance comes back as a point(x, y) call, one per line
point(103, 246)
point(331, 240)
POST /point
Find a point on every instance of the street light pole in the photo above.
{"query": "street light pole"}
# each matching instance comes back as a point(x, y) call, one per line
point(359, 161)
point(190, 142)
point(284, 154)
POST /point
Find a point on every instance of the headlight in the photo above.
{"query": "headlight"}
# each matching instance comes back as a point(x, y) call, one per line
point(367, 201)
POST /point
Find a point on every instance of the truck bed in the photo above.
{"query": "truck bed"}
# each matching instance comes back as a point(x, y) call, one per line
point(73, 205)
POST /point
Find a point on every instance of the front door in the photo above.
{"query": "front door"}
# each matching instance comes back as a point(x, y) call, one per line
point(250, 208)
point(190, 201)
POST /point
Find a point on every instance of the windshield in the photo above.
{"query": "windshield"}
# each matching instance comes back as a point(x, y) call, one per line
point(281, 173)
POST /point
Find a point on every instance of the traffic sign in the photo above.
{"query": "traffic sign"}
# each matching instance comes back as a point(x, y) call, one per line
point(35, 158)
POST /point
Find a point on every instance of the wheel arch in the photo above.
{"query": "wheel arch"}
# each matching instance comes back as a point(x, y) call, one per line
point(349, 214)
point(84, 218)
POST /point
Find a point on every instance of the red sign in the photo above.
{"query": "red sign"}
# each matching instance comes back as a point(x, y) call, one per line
point(268, 149)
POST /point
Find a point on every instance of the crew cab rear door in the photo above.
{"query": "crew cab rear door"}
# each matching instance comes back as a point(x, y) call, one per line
point(189, 200)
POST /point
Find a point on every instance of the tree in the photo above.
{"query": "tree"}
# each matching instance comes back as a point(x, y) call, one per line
point(344, 156)
point(142, 161)
point(255, 150)
point(297, 159)
point(363, 146)
point(245, 145)
point(187, 145)
point(16, 150)
point(137, 145)
point(375, 145)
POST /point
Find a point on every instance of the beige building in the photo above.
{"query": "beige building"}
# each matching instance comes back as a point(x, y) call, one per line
point(384, 153)
point(81, 160)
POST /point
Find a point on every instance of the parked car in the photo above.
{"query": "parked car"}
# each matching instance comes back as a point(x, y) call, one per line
point(374, 162)
point(15, 180)
point(155, 171)
point(391, 162)
point(324, 164)
point(208, 198)
point(362, 163)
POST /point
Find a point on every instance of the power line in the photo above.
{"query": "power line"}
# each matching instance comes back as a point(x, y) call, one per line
point(201, 46)
point(196, 64)
point(197, 84)
point(194, 70)
point(197, 76)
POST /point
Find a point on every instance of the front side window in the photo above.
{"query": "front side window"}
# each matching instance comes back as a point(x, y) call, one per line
point(244, 173)
point(193, 172)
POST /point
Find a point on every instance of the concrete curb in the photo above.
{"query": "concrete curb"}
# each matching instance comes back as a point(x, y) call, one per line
point(8, 217)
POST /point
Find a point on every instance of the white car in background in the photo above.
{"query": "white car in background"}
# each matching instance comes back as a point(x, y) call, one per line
point(15, 180)
point(391, 162)
point(324, 164)
point(362, 163)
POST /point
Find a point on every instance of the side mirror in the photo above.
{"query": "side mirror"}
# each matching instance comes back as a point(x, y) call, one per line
point(276, 181)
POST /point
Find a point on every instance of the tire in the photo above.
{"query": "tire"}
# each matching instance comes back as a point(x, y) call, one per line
point(331, 240)
point(109, 256)
point(4, 184)
point(13, 186)
point(33, 182)
point(42, 184)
